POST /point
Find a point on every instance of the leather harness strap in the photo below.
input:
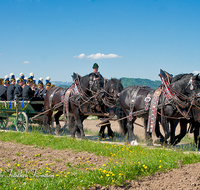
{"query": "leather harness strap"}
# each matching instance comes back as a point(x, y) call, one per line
point(132, 103)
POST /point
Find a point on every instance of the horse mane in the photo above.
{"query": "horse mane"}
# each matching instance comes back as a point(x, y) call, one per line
point(181, 76)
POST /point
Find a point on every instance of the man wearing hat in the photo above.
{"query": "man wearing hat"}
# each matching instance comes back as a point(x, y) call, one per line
point(97, 73)
point(3, 88)
point(41, 92)
point(27, 92)
point(48, 83)
point(18, 88)
point(11, 88)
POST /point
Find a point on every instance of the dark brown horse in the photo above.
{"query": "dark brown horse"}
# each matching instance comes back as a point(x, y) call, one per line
point(108, 104)
point(184, 89)
point(132, 100)
point(54, 98)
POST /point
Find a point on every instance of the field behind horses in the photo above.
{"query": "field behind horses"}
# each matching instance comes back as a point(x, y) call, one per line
point(36, 161)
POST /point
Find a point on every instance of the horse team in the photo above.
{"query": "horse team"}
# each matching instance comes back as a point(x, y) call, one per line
point(177, 102)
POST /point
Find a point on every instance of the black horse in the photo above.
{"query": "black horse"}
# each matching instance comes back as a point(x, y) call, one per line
point(137, 99)
point(108, 104)
point(55, 99)
point(185, 91)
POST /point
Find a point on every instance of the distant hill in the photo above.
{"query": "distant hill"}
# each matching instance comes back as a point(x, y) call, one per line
point(138, 81)
point(61, 84)
point(125, 82)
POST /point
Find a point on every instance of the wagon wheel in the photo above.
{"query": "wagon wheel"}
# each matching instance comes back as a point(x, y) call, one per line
point(3, 122)
point(21, 122)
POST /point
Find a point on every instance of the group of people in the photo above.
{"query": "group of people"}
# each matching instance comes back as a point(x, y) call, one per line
point(27, 89)
point(23, 88)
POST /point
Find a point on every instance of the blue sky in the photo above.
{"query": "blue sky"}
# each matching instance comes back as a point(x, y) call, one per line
point(127, 38)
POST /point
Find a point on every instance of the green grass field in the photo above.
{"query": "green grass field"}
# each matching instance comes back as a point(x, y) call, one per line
point(125, 163)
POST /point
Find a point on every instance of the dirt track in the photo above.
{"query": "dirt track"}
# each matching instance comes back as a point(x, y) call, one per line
point(187, 177)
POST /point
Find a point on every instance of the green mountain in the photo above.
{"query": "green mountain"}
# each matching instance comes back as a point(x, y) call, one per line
point(138, 81)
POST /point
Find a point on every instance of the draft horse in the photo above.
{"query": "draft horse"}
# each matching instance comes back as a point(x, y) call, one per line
point(136, 99)
point(56, 99)
point(109, 105)
point(182, 102)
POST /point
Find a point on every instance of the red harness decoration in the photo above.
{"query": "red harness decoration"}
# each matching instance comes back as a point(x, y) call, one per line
point(153, 111)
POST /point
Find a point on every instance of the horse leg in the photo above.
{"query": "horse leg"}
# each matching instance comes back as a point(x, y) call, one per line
point(47, 121)
point(173, 124)
point(111, 134)
point(78, 121)
point(183, 131)
point(102, 135)
point(165, 125)
point(159, 135)
point(196, 127)
point(57, 116)
point(130, 128)
point(148, 135)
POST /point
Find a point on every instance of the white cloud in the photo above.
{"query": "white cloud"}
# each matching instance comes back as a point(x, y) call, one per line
point(196, 72)
point(103, 56)
point(26, 62)
point(81, 56)
point(98, 56)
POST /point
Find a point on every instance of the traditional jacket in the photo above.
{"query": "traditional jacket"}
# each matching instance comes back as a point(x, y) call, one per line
point(10, 92)
point(18, 92)
point(41, 93)
point(27, 93)
point(3, 93)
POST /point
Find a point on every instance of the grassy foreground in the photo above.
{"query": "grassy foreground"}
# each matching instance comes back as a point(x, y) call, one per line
point(125, 163)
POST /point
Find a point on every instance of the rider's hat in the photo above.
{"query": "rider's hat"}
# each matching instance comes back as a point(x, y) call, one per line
point(48, 83)
point(40, 82)
point(21, 79)
point(6, 80)
point(17, 79)
point(12, 77)
point(30, 79)
point(34, 81)
point(25, 80)
point(95, 66)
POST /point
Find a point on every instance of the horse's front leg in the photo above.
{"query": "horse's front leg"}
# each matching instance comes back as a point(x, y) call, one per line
point(47, 121)
point(196, 127)
point(111, 134)
point(79, 122)
point(148, 135)
point(173, 125)
point(57, 116)
point(183, 131)
point(130, 128)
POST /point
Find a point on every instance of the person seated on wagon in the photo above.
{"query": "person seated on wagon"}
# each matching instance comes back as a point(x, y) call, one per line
point(18, 88)
point(27, 92)
point(11, 88)
point(41, 91)
point(3, 88)
point(34, 87)
point(48, 83)
point(25, 82)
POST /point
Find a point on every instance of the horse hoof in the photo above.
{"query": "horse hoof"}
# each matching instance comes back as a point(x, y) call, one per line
point(57, 133)
point(134, 143)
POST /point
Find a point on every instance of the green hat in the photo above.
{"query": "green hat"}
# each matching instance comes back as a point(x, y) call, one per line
point(95, 66)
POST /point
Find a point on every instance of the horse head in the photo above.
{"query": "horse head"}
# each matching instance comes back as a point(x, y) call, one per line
point(187, 84)
point(113, 88)
point(91, 83)
point(195, 87)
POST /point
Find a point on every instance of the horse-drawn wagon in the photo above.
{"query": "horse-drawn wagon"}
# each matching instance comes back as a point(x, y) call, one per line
point(22, 111)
